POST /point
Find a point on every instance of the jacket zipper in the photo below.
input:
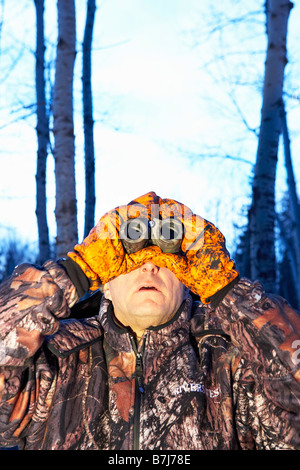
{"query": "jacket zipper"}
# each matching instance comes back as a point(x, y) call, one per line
point(139, 391)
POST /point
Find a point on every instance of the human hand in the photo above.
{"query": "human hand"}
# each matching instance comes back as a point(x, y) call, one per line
point(201, 261)
point(203, 264)
point(102, 255)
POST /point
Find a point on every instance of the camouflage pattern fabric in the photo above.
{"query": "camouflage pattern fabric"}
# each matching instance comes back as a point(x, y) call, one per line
point(211, 379)
point(203, 264)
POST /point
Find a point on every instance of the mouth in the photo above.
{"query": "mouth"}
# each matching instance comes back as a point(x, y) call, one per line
point(148, 288)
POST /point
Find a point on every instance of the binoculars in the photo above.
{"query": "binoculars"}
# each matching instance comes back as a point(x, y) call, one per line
point(138, 233)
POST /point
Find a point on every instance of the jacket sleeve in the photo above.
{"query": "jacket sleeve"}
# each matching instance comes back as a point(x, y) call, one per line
point(266, 331)
point(32, 300)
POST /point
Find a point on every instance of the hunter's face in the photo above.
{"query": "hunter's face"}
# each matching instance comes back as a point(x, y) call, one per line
point(147, 296)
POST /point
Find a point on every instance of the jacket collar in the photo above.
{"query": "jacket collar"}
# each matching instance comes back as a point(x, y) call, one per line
point(165, 335)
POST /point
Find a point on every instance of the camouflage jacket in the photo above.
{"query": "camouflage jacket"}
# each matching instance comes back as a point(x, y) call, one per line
point(223, 378)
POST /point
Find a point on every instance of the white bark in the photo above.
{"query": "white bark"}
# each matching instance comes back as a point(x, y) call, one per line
point(63, 129)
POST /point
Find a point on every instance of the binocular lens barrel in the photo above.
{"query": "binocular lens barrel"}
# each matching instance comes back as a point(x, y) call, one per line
point(167, 234)
point(134, 234)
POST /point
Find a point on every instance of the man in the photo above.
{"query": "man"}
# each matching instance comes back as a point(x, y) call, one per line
point(154, 369)
point(146, 297)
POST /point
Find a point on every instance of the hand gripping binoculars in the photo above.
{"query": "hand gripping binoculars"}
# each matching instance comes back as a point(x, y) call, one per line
point(138, 233)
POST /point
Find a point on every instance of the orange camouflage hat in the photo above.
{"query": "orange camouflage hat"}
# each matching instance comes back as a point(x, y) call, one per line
point(165, 232)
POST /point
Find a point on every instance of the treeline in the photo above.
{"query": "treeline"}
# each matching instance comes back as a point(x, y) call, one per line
point(269, 244)
point(14, 251)
point(286, 283)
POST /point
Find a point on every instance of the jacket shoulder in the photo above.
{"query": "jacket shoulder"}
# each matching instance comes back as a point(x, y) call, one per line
point(74, 335)
point(204, 322)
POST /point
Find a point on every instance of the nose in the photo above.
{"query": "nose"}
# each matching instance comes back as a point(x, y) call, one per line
point(150, 268)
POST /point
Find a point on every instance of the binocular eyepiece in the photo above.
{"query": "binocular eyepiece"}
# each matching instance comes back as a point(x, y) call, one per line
point(136, 234)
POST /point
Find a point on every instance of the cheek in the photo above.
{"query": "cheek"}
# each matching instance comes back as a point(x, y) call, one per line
point(116, 289)
point(177, 294)
point(121, 300)
point(107, 293)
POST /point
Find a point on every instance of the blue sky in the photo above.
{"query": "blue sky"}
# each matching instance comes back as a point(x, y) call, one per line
point(158, 102)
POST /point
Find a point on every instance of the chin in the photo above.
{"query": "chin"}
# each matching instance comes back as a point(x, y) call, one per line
point(150, 307)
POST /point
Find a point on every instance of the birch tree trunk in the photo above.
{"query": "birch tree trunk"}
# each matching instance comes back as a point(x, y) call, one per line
point(90, 198)
point(294, 202)
point(262, 213)
point(42, 129)
point(63, 129)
